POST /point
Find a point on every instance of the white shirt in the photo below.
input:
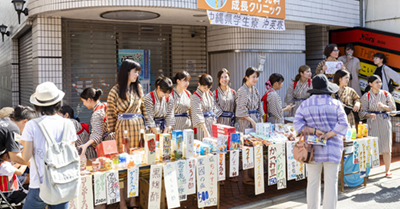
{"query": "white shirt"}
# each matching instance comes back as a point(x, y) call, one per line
point(54, 126)
point(6, 169)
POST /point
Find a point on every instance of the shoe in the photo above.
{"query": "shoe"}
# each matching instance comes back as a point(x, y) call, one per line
point(389, 175)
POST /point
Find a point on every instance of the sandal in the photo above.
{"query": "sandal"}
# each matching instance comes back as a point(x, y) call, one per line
point(250, 182)
point(389, 175)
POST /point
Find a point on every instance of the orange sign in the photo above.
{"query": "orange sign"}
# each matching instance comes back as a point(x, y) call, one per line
point(262, 8)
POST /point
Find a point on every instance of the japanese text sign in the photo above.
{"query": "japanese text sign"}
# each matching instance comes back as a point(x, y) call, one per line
point(234, 163)
point(245, 21)
point(113, 193)
point(281, 165)
point(191, 175)
point(272, 160)
point(212, 175)
point(171, 185)
point(203, 182)
point(181, 167)
point(85, 197)
point(221, 166)
point(262, 8)
point(100, 188)
point(291, 162)
point(133, 182)
point(247, 155)
point(259, 170)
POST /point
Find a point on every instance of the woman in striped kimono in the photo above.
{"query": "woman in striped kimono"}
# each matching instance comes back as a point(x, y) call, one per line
point(248, 101)
point(225, 99)
point(126, 111)
point(203, 108)
point(272, 101)
point(374, 107)
point(82, 131)
point(160, 106)
point(331, 52)
point(182, 101)
point(248, 108)
point(347, 95)
point(297, 91)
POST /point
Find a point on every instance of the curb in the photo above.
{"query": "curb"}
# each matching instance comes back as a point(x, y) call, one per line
point(302, 193)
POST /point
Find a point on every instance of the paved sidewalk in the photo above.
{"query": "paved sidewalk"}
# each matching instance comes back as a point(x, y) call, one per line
point(380, 192)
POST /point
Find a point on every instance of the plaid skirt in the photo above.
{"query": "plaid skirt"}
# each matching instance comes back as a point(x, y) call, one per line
point(133, 126)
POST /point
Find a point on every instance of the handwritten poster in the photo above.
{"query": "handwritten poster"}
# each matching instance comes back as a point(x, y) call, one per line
point(234, 163)
point(291, 162)
point(182, 179)
point(221, 166)
point(100, 189)
point(203, 182)
point(300, 171)
point(248, 157)
point(363, 157)
point(281, 165)
point(73, 204)
point(369, 145)
point(113, 192)
point(191, 174)
point(272, 156)
point(85, 197)
point(133, 182)
point(356, 152)
point(212, 174)
point(155, 186)
point(375, 153)
point(259, 170)
point(171, 185)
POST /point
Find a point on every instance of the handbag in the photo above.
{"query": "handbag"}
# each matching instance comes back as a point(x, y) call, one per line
point(303, 152)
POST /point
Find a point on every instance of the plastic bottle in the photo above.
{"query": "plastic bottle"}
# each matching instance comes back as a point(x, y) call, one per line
point(360, 130)
point(348, 133)
point(125, 142)
point(141, 142)
point(122, 160)
point(365, 130)
point(353, 132)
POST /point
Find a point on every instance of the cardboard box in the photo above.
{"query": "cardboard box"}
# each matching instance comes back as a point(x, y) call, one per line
point(149, 149)
point(177, 145)
point(165, 147)
point(222, 129)
point(107, 148)
point(188, 143)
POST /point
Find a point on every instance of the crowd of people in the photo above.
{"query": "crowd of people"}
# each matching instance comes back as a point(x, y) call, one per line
point(324, 105)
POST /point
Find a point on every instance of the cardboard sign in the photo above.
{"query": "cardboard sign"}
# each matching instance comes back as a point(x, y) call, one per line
point(165, 147)
point(100, 189)
point(203, 182)
point(291, 162)
point(281, 165)
point(234, 163)
point(247, 158)
point(363, 157)
point(188, 143)
point(259, 170)
point(212, 174)
point(150, 149)
point(113, 192)
point(272, 167)
point(271, 9)
point(177, 144)
point(181, 167)
point(155, 186)
point(300, 171)
point(133, 182)
point(85, 197)
point(191, 174)
point(375, 153)
point(171, 185)
point(221, 166)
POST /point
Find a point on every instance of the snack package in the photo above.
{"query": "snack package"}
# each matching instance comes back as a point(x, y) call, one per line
point(235, 142)
point(212, 142)
point(149, 149)
point(222, 143)
point(165, 147)
point(314, 140)
point(188, 143)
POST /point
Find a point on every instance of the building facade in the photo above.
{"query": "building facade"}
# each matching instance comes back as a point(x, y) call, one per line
point(75, 44)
